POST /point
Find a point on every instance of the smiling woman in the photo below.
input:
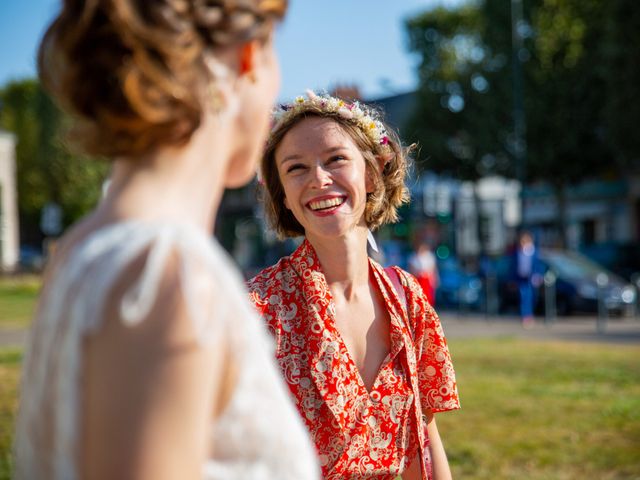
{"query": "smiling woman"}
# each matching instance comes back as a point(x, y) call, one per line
point(367, 364)
point(358, 126)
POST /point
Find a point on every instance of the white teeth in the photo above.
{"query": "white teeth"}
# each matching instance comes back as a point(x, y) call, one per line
point(322, 204)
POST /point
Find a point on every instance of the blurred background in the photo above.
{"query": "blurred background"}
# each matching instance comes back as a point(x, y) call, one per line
point(525, 113)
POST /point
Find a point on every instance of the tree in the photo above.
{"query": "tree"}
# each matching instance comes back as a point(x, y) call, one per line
point(464, 116)
point(622, 110)
point(46, 170)
point(580, 89)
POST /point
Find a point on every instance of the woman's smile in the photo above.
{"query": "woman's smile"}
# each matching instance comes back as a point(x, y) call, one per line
point(326, 205)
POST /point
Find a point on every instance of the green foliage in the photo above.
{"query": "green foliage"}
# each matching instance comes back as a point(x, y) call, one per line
point(580, 91)
point(566, 133)
point(622, 109)
point(46, 170)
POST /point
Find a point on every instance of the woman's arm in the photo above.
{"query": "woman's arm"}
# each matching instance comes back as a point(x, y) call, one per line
point(439, 462)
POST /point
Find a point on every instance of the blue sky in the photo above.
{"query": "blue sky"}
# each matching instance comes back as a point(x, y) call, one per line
point(320, 44)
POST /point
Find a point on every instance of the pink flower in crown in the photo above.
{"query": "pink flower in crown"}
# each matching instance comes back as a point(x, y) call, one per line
point(344, 112)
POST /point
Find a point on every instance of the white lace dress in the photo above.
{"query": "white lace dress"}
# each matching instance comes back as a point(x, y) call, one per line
point(258, 436)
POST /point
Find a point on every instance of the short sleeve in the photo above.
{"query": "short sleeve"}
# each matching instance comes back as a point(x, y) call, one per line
point(436, 375)
point(256, 300)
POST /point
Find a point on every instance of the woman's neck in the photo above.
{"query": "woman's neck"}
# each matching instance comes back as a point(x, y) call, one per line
point(344, 261)
point(176, 184)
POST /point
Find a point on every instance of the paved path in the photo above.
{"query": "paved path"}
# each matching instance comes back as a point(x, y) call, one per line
point(577, 329)
point(11, 337)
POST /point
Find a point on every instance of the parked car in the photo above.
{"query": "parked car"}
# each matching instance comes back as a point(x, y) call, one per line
point(577, 286)
point(31, 258)
point(458, 289)
point(621, 258)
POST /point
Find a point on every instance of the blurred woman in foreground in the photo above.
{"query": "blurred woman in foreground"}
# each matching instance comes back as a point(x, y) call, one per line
point(145, 359)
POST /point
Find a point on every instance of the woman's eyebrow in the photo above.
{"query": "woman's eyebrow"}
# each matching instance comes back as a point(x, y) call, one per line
point(297, 156)
point(288, 158)
point(335, 149)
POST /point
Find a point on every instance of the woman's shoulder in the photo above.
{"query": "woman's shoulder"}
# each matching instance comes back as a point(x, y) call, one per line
point(272, 277)
point(129, 263)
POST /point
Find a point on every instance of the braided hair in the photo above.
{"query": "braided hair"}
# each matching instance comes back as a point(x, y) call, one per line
point(133, 72)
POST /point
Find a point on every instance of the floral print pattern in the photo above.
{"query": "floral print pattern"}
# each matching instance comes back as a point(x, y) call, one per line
point(358, 433)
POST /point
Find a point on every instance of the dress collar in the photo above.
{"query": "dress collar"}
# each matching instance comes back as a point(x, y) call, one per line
point(318, 298)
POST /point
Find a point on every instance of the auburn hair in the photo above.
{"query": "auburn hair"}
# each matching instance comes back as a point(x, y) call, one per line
point(132, 72)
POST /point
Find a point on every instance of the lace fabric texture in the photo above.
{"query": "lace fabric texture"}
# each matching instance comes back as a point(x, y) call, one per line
point(258, 436)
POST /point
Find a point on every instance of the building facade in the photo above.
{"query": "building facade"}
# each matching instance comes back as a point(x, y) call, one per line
point(9, 231)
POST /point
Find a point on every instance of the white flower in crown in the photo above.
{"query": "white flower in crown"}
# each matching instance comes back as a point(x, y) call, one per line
point(362, 116)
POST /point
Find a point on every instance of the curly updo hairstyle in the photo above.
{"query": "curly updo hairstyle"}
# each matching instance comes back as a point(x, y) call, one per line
point(390, 191)
point(133, 72)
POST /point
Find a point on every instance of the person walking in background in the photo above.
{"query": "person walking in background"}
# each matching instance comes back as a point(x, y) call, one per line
point(361, 348)
point(145, 359)
point(525, 263)
point(423, 265)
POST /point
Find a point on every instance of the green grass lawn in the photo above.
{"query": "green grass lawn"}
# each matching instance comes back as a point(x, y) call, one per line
point(17, 300)
point(534, 410)
point(9, 373)
point(530, 410)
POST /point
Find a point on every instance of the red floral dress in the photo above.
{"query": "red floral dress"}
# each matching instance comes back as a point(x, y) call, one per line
point(358, 433)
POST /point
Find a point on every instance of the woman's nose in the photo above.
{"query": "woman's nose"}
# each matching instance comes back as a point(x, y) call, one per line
point(320, 177)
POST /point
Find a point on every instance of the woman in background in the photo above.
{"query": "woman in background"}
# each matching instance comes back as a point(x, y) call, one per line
point(360, 347)
point(423, 265)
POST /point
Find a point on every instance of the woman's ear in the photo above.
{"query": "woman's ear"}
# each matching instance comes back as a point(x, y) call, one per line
point(248, 52)
point(383, 160)
point(369, 182)
point(380, 164)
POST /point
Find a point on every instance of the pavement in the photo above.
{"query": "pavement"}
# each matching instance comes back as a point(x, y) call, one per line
point(572, 329)
point(465, 325)
point(12, 337)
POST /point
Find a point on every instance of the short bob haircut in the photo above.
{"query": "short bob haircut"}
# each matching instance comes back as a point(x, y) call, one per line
point(390, 191)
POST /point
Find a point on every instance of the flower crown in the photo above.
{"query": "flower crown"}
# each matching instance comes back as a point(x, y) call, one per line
point(362, 116)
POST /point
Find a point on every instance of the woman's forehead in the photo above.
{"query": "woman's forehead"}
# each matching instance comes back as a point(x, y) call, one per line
point(313, 133)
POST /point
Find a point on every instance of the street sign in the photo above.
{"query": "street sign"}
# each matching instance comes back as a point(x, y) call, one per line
point(51, 219)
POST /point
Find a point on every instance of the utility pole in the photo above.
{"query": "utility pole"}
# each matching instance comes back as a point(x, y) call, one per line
point(519, 121)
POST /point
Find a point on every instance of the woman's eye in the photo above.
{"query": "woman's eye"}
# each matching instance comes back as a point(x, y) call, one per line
point(294, 167)
point(337, 158)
